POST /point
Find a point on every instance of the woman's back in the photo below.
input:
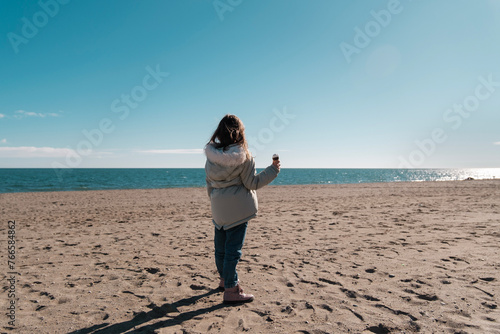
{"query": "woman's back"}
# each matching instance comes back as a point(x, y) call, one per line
point(231, 184)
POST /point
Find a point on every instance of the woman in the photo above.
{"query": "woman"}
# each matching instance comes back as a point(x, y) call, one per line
point(231, 184)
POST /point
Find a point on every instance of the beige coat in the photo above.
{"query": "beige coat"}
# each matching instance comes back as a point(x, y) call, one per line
point(232, 182)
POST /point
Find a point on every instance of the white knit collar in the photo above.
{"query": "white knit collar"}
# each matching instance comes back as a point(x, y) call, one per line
point(234, 155)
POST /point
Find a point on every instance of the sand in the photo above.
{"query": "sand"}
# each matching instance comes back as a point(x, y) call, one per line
point(365, 258)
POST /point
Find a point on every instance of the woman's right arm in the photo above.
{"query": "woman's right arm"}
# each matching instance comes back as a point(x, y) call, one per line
point(209, 187)
point(253, 181)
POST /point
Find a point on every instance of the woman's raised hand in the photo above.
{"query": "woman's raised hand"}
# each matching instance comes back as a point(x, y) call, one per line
point(276, 163)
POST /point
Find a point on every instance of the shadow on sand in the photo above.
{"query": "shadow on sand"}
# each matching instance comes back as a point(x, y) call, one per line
point(156, 312)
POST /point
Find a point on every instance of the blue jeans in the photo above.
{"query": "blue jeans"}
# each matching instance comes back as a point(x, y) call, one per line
point(228, 244)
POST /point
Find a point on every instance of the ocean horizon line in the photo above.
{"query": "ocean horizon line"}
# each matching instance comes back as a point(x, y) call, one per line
point(48, 179)
point(388, 168)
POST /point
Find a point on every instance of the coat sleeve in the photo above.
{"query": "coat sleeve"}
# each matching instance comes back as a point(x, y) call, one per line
point(253, 181)
point(209, 187)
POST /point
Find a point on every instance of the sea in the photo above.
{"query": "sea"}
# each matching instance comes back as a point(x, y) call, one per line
point(41, 179)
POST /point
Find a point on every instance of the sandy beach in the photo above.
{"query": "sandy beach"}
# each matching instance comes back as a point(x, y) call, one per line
point(364, 258)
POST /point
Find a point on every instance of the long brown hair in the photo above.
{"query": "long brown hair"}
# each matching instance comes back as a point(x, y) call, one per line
point(230, 131)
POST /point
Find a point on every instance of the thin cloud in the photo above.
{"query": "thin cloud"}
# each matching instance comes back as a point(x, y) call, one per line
point(174, 151)
point(34, 152)
point(22, 114)
point(496, 143)
point(3, 141)
point(2, 115)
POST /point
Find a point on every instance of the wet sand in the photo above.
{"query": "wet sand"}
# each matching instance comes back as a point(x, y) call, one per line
point(365, 258)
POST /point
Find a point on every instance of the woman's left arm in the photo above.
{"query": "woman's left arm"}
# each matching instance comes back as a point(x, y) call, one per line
point(253, 181)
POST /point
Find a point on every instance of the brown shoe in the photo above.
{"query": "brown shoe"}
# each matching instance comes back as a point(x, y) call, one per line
point(236, 296)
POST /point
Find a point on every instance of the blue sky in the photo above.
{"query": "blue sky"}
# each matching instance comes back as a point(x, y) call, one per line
point(330, 84)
